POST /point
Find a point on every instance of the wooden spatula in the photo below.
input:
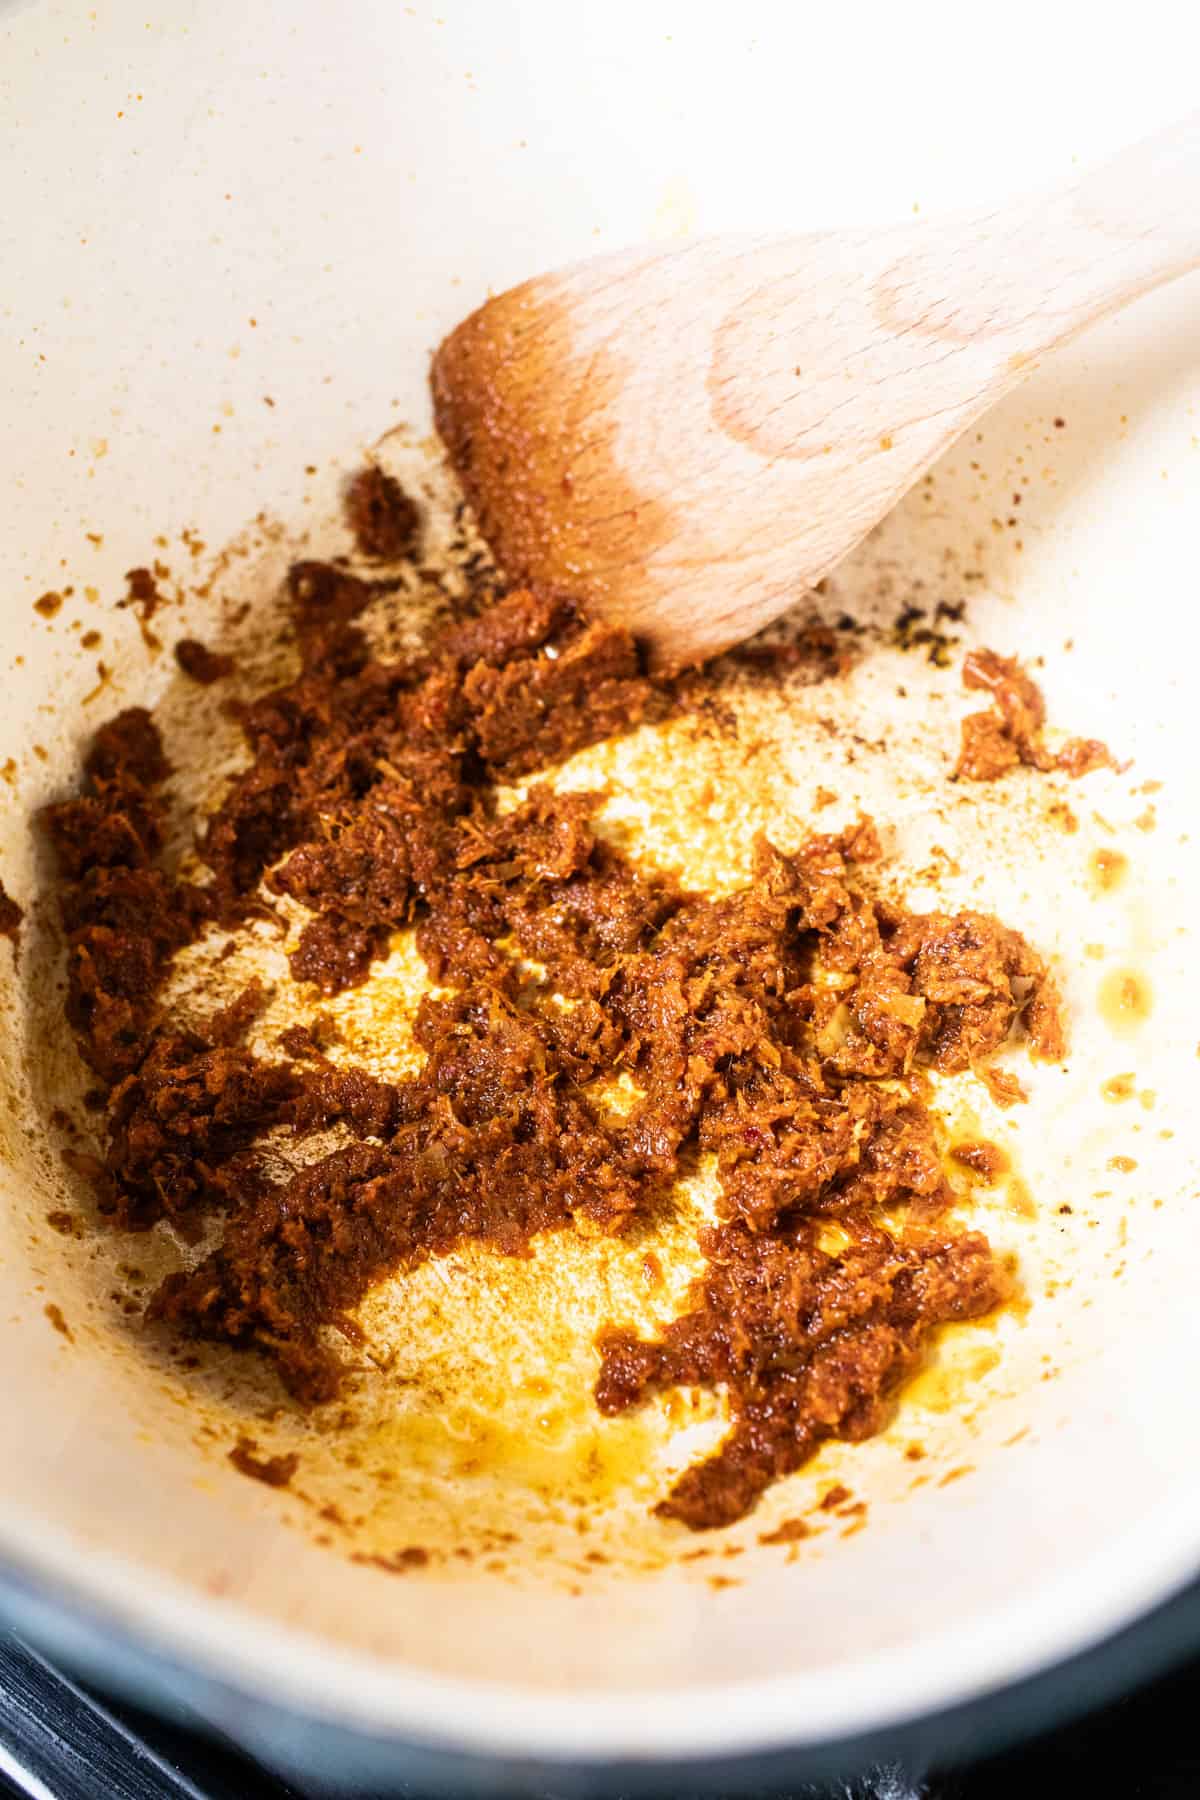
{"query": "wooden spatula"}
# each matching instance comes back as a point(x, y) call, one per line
point(685, 437)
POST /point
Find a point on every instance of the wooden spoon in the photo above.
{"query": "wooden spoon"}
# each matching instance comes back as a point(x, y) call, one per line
point(686, 436)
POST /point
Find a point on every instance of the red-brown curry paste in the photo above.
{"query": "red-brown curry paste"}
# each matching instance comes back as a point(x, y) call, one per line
point(201, 663)
point(11, 916)
point(781, 1031)
point(1010, 731)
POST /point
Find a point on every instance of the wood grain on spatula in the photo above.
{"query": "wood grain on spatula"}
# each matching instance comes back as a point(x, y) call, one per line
point(687, 437)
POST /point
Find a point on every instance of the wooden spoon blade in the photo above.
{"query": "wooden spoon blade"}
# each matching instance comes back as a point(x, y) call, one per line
point(687, 438)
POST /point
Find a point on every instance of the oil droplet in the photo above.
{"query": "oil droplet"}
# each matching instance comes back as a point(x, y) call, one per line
point(1118, 1087)
point(552, 1452)
point(942, 1385)
point(1125, 1000)
point(1020, 1200)
point(1107, 870)
point(48, 605)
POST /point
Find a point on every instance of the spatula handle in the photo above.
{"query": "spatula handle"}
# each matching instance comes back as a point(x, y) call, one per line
point(1034, 274)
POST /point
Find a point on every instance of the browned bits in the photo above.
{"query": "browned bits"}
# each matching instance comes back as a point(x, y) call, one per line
point(1010, 731)
point(383, 518)
point(201, 664)
point(67, 1224)
point(55, 1315)
point(986, 1160)
point(272, 1471)
point(790, 1531)
point(397, 1562)
point(1005, 1088)
point(11, 916)
point(142, 593)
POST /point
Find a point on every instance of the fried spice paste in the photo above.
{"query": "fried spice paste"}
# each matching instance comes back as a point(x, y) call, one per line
point(1009, 732)
point(782, 1032)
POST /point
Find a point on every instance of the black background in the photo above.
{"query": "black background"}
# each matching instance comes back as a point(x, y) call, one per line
point(83, 1747)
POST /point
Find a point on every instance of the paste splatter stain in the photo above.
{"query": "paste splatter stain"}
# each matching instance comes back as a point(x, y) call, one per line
point(55, 1315)
point(272, 1471)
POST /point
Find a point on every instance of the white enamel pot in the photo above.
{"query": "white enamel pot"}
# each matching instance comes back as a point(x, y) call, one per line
point(232, 235)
